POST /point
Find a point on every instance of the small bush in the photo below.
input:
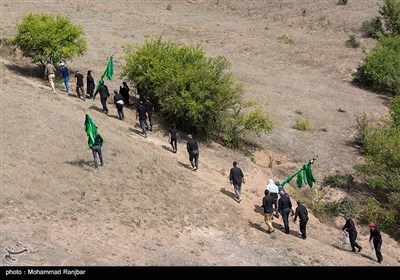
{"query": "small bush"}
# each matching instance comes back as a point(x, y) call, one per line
point(299, 112)
point(390, 12)
point(394, 109)
point(353, 42)
point(286, 39)
point(343, 181)
point(340, 110)
point(342, 2)
point(302, 124)
point(373, 27)
point(346, 206)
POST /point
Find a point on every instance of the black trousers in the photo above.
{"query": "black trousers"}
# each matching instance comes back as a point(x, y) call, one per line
point(174, 144)
point(120, 110)
point(353, 242)
point(97, 150)
point(104, 103)
point(194, 159)
point(303, 225)
point(377, 245)
point(285, 217)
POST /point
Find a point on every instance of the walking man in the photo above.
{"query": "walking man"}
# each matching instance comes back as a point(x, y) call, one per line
point(273, 190)
point(351, 229)
point(141, 113)
point(150, 110)
point(90, 84)
point(79, 85)
point(302, 213)
point(267, 204)
point(193, 151)
point(104, 94)
point(236, 177)
point(119, 102)
point(96, 150)
point(65, 75)
point(285, 207)
point(376, 237)
point(50, 73)
point(173, 134)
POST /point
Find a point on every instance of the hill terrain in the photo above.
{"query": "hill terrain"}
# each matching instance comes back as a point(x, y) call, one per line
point(145, 206)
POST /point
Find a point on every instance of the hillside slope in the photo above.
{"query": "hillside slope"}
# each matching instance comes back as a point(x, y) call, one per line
point(145, 206)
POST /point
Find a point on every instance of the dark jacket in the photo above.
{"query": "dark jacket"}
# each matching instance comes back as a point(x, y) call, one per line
point(301, 212)
point(89, 84)
point(98, 141)
point(268, 201)
point(375, 234)
point(118, 97)
point(349, 227)
point(236, 175)
point(284, 203)
point(103, 92)
point(191, 145)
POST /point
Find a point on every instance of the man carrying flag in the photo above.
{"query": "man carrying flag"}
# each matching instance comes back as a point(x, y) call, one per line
point(94, 140)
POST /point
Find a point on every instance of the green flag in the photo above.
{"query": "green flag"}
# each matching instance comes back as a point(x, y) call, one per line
point(108, 73)
point(91, 131)
point(304, 174)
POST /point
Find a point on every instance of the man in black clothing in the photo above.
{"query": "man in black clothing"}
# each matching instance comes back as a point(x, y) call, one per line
point(268, 202)
point(96, 149)
point(104, 94)
point(302, 213)
point(142, 115)
point(376, 237)
point(351, 229)
point(119, 102)
point(149, 109)
point(124, 91)
point(285, 207)
point(79, 85)
point(193, 150)
point(173, 134)
point(236, 177)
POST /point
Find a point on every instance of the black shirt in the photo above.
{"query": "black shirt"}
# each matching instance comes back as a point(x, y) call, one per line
point(268, 201)
point(141, 112)
point(375, 234)
point(349, 226)
point(236, 175)
point(173, 131)
point(118, 97)
point(149, 107)
point(79, 79)
point(301, 212)
point(284, 203)
point(103, 91)
point(191, 145)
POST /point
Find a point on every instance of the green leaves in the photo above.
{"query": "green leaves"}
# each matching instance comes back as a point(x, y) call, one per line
point(192, 90)
point(43, 36)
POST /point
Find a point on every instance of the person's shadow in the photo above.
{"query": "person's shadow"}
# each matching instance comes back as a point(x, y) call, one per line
point(169, 149)
point(258, 209)
point(229, 194)
point(186, 165)
point(136, 131)
point(258, 227)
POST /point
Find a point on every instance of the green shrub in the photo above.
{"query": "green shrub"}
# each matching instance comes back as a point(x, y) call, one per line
point(353, 42)
point(343, 181)
point(345, 206)
point(380, 70)
point(44, 36)
point(390, 12)
point(394, 108)
point(342, 2)
point(192, 90)
point(372, 27)
point(286, 39)
point(302, 124)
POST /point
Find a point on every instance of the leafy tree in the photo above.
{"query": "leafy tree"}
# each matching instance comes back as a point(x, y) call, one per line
point(390, 12)
point(380, 70)
point(43, 36)
point(190, 89)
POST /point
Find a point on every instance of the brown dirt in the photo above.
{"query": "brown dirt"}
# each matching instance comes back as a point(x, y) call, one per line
point(145, 206)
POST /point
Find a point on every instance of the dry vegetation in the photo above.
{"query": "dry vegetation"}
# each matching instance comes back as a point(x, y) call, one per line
point(145, 206)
